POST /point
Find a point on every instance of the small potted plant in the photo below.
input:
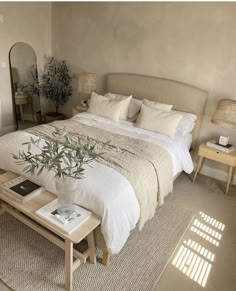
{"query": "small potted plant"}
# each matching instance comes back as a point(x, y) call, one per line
point(55, 85)
point(66, 156)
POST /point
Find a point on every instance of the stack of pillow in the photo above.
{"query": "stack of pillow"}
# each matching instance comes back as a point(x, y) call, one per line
point(149, 115)
point(111, 106)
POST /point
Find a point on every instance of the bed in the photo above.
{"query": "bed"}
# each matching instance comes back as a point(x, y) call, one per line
point(111, 194)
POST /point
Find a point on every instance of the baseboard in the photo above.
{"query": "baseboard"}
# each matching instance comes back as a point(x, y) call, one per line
point(7, 129)
point(215, 173)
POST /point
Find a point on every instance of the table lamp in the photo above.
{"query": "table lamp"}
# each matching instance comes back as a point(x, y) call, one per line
point(225, 116)
point(86, 85)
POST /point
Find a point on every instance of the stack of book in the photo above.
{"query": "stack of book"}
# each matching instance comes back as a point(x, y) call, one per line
point(21, 189)
point(215, 145)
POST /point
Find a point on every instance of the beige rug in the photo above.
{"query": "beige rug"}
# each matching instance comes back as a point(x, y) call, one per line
point(29, 262)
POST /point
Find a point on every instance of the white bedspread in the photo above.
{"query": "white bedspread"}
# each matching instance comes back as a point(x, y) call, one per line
point(104, 190)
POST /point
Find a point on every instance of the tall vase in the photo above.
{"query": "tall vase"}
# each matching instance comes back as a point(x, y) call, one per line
point(66, 192)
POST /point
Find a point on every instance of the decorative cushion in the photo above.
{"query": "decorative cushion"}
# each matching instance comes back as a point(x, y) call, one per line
point(105, 106)
point(157, 105)
point(134, 108)
point(158, 121)
point(125, 107)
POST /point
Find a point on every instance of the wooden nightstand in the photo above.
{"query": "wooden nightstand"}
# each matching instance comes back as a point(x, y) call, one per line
point(79, 109)
point(206, 152)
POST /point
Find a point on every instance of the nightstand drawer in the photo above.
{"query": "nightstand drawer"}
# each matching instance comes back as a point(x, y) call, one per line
point(218, 156)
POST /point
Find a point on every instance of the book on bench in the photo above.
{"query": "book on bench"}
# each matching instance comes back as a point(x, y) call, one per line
point(21, 189)
point(67, 224)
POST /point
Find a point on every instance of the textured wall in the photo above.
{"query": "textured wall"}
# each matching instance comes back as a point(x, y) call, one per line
point(21, 22)
point(193, 43)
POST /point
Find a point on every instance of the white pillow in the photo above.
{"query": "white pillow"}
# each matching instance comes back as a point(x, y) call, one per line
point(157, 105)
point(126, 99)
point(158, 121)
point(186, 124)
point(105, 106)
point(134, 108)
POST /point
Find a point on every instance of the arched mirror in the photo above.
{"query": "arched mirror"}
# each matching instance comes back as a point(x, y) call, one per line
point(25, 89)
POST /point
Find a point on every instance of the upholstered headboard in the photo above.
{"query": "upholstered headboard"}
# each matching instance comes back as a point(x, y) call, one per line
point(184, 97)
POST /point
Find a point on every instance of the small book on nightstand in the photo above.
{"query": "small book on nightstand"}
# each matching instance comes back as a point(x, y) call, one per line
point(215, 145)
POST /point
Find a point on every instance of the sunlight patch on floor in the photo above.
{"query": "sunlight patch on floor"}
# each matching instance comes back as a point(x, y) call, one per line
point(194, 260)
point(217, 224)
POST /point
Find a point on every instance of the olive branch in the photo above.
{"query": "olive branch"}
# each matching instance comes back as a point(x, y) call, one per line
point(64, 155)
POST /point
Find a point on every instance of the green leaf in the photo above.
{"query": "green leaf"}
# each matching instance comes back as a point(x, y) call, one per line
point(40, 170)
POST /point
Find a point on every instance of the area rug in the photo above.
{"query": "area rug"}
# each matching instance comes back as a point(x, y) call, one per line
point(30, 262)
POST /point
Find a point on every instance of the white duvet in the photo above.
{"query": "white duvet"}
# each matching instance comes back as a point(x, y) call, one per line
point(103, 190)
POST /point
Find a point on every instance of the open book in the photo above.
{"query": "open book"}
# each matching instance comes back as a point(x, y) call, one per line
point(68, 224)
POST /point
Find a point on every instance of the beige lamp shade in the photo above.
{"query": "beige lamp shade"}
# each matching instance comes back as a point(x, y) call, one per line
point(87, 83)
point(225, 114)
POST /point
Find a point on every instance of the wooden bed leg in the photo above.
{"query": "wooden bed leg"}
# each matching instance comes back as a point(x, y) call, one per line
point(2, 211)
point(106, 258)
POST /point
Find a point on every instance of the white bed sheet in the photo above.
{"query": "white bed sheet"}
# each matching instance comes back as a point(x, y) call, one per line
point(103, 190)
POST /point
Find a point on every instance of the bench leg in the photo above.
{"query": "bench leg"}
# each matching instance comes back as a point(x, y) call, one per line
point(91, 245)
point(68, 264)
point(2, 210)
point(106, 258)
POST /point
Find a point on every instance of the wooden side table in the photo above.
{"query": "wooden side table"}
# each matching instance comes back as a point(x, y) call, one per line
point(206, 152)
point(23, 100)
point(79, 109)
point(26, 213)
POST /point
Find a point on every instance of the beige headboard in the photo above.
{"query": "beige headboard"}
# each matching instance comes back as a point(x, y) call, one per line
point(184, 97)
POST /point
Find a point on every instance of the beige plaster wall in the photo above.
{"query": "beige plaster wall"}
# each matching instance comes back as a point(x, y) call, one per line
point(21, 22)
point(189, 42)
point(193, 43)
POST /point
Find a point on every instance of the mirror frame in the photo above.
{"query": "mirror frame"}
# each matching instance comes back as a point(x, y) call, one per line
point(11, 80)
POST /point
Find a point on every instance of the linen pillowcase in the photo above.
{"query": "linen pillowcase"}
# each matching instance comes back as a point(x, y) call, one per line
point(186, 124)
point(158, 121)
point(157, 105)
point(125, 107)
point(134, 108)
point(105, 106)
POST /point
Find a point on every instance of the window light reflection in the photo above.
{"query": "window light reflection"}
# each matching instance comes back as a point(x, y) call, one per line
point(194, 260)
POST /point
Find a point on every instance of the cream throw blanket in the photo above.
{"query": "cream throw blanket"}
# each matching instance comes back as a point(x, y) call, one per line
point(147, 166)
